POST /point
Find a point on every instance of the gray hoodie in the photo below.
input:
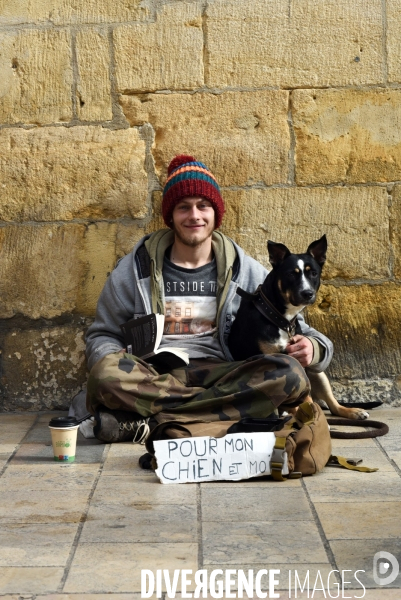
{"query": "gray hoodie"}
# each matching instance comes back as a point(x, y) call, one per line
point(135, 288)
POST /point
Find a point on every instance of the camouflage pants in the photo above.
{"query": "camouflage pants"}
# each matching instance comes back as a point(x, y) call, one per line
point(205, 390)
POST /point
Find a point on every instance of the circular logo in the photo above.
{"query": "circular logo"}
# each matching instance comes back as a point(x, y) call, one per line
point(382, 561)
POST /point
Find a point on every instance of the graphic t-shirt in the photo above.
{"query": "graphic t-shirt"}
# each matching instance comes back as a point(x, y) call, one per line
point(190, 309)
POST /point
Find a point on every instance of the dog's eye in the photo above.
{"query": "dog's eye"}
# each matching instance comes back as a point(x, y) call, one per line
point(313, 273)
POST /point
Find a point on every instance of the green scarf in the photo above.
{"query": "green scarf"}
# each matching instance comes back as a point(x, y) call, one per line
point(224, 252)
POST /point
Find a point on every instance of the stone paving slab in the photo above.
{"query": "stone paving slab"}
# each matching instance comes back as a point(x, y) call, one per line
point(395, 456)
point(254, 504)
point(285, 577)
point(36, 544)
point(42, 453)
point(38, 507)
point(85, 530)
point(357, 554)
point(125, 466)
point(3, 460)
point(30, 580)
point(364, 520)
point(8, 448)
point(104, 567)
point(45, 415)
point(19, 419)
point(372, 456)
point(143, 488)
point(352, 444)
point(85, 597)
point(38, 433)
point(389, 415)
point(260, 482)
point(355, 487)
point(273, 541)
point(126, 449)
point(123, 521)
point(13, 432)
point(48, 476)
point(383, 594)
point(390, 442)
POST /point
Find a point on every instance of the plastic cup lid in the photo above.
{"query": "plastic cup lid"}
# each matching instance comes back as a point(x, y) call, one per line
point(63, 422)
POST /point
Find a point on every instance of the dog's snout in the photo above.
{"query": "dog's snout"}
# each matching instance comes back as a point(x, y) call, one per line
point(307, 294)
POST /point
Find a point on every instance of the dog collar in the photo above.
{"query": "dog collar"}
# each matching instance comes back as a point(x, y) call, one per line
point(270, 312)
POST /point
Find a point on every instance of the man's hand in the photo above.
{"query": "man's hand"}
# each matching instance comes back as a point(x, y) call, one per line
point(302, 349)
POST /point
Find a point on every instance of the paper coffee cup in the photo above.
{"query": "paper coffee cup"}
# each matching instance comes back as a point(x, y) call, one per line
point(64, 438)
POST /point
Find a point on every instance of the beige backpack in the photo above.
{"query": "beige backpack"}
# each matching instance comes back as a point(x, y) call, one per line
point(305, 438)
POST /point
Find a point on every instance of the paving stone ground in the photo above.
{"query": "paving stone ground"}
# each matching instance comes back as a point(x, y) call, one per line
point(85, 530)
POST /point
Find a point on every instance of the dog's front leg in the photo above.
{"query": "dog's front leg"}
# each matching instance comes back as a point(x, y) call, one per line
point(321, 390)
point(293, 411)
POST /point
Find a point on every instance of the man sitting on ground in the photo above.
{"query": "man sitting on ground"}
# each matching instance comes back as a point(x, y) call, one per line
point(189, 272)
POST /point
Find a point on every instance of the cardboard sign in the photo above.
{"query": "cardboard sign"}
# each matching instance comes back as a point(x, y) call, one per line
point(199, 459)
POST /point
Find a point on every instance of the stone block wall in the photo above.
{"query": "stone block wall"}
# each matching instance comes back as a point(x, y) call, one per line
point(295, 105)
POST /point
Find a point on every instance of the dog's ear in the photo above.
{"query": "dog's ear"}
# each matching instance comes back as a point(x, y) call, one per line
point(318, 249)
point(277, 253)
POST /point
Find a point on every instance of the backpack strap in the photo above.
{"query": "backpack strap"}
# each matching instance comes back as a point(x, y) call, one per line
point(346, 463)
point(277, 462)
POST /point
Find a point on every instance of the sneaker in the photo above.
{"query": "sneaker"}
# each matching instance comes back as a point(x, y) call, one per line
point(120, 426)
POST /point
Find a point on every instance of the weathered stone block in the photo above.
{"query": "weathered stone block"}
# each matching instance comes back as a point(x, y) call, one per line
point(355, 221)
point(167, 54)
point(36, 77)
point(13, 12)
point(61, 268)
point(156, 222)
point(367, 390)
point(242, 137)
point(301, 43)
point(395, 229)
point(98, 258)
point(364, 322)
point(128, 235)
point(99, 11)
point(49, 270)
point(58, 173)
point(393, 10)
point(42, 368)
point(93, 90)
point(349, 136)
point(40, 269)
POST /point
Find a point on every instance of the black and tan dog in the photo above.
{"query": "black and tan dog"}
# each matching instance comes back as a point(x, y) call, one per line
point(267, 320)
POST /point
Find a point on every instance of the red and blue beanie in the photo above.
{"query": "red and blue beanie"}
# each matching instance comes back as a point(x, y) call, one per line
point(188, 177)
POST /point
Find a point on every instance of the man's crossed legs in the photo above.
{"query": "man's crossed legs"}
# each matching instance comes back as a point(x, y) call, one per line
point(123, 388)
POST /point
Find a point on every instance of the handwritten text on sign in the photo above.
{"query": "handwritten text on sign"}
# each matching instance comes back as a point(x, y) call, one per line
point(199, 459)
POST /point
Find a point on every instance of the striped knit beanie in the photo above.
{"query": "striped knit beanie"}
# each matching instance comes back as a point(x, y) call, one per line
point(188, 177)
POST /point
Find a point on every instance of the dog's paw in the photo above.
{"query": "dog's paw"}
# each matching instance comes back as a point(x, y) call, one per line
point(358, 413)
point(362, 414)
point(352, 413)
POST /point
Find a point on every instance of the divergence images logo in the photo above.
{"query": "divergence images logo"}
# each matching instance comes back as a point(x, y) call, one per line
point(385, 568)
